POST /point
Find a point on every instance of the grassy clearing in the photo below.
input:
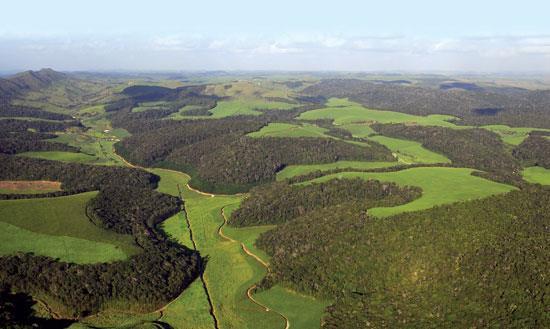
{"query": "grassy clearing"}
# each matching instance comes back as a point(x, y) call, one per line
point(55, 226)
point(296, 170)
point(146, 106)
point(290, 130)
point(100, 150)
point(409, 152)
point(302, 311)
point(257, 88)
point(60, 156)
point(439, 185)
point(276, 129)
point(512, 135)
point(182, 115)
point(343, 111)
point(359, 130)
point(243, 106)
point(537, 175)
point(67, 249)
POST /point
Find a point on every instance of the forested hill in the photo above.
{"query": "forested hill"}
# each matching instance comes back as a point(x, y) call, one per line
point(29, 81)
point(520, 107)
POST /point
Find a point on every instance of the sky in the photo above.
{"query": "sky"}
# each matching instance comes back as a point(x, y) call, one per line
point(341, 35)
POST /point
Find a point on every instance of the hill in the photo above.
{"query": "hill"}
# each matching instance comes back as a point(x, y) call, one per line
point(29, 81)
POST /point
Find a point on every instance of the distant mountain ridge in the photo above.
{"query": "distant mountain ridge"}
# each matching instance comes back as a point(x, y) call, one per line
point(29, 81)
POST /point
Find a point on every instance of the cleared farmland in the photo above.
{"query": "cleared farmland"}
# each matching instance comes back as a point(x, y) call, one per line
point(343, 111)
point(440, 185)
point(537, 175)
point(59, 228)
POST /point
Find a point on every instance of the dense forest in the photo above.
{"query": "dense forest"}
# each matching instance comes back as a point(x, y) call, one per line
point(280, 202)
point(534, 151)
point(126, 204)
point(481, 263)
point(520, 108)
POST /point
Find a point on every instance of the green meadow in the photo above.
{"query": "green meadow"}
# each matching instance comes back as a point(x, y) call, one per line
point(246, 107)
point(297, 170)
point(146, 106)
point(409, 152)
point(59, 228)
point(60, 156)
point(276, 129)
point(512, 135)
point(302, 311)
point(537, 175)
point(93, 150)
point(440, 185)
point(290, 130)
point(343, 111)
point(359, 130)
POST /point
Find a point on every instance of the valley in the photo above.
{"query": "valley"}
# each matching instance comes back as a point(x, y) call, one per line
point(272, 202)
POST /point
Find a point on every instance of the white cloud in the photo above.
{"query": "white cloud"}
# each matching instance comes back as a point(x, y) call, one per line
point(288, 51)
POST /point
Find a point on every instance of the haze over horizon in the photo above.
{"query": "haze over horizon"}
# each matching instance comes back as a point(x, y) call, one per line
point(492, 36)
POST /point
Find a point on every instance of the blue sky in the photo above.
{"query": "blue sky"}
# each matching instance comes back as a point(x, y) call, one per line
point(279, 35)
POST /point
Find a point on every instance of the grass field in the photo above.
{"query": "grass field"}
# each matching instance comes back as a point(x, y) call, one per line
point(276, 129)
point(60, 156)
point(58, 227)
point(302, 311)
point(246, 107)
point(257, 88)
point(439, 185)
point(537, 175)
point(296, 170)
point(359, 130)
point(343, 112)
point(146, 106)
point(409, 152)
point(181, 114)
point(290, 130)
point(98, 149)
point(512, 135)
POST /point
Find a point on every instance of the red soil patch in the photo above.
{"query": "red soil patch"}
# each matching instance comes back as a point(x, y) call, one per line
point(37, 185)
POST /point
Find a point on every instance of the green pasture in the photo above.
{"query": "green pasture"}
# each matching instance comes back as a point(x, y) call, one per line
point(440, 185)
point(276, 129)
point(60, 156)
point(359, 130)
point(58, 227)
point(537, 175)
point(302, 311)
point(297, 170)
point(409, 152)
point(343, 112)
point(246, 107)
point(512, 135)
